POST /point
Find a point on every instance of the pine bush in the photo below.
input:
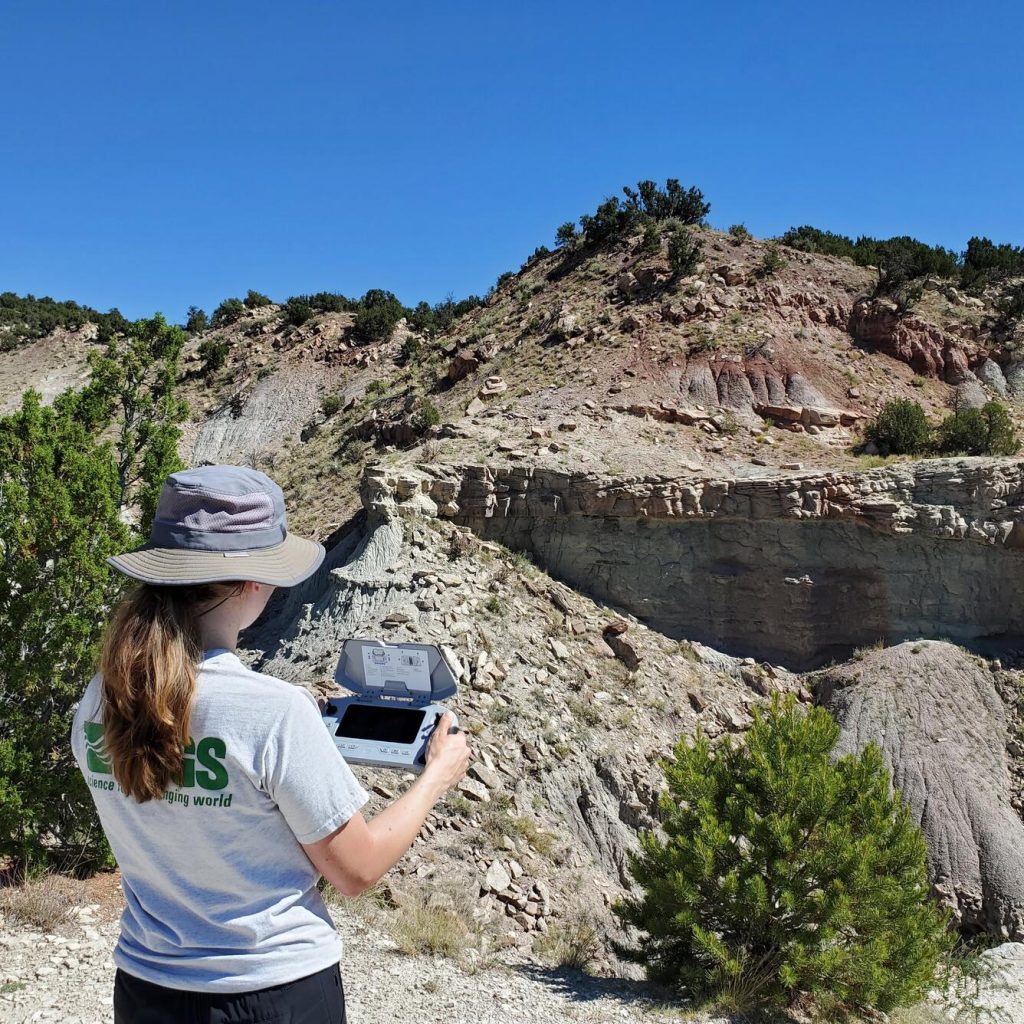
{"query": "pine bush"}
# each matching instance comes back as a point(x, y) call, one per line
point(784, 872)
point(985, 431)
point(901, 428)
point(772, 261)
point(684, 252)
point(566, 234)
point(228, 312)
point(214, 354)
point(255, 300)
point(197, 321)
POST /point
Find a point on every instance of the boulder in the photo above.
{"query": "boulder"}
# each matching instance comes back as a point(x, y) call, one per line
point(941, 725)
point(567, 325)
point(497, 879)
point(731, 275)
point(492, 386)
point(1014, 373)
point(623, 649)
point(627, 283)
point(463, 363)
point(673, 313)
point(990, 373)
point(995, 994)
point(969, 393)
point(651, 277)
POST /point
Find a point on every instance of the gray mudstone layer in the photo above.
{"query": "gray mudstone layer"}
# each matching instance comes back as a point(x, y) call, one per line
point(796, 569)
point(935, 712)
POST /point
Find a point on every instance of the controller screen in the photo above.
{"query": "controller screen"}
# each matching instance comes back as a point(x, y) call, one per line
point(391, 725)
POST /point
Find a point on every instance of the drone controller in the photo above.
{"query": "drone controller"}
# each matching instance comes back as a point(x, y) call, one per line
point(394, 709)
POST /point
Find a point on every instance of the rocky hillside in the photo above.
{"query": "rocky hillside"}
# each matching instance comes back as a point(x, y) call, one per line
point(603, 362)
point(629, 504)
point(597, 359)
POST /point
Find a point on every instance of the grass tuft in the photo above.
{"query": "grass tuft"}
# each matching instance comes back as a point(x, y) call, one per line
point(44, 903)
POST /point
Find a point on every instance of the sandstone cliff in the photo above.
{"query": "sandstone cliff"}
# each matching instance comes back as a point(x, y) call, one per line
point(795, 569)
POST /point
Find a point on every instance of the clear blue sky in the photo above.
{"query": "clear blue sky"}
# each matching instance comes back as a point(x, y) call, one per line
point(158, 155)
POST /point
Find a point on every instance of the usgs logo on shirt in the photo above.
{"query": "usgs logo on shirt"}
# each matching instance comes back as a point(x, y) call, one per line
point(203, 764)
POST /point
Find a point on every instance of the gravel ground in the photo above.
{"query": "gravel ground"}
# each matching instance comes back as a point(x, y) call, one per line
point(68, 977)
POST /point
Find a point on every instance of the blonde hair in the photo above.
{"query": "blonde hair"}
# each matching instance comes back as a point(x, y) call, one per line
point(150, 664)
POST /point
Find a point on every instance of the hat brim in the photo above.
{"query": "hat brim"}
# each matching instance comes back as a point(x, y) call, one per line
point(282, 565)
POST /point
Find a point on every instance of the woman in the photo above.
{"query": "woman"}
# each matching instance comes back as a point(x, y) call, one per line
point(223, 796)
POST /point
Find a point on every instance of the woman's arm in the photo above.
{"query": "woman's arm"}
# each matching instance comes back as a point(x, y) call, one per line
point(360, 852)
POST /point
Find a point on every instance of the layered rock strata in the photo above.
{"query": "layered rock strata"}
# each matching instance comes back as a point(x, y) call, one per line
point(797, 569)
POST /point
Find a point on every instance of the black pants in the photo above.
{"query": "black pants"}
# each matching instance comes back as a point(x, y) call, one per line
point(317, 999)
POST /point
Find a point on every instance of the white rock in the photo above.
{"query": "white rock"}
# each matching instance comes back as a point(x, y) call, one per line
point(497, 878)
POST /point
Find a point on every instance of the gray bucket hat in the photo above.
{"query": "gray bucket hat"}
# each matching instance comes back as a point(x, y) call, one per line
point(218, 524)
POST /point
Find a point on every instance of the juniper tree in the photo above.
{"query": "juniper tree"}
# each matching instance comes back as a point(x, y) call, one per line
point(228, 312)
point(901, 428)
point(781, 870)
point(684, 252)
point(70, 476)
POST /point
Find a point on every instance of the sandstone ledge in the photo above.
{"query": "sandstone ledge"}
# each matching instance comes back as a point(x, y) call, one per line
point(959, 499)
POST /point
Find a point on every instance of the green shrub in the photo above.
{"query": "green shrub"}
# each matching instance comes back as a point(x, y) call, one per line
point(609, 222)
point(703, 340)
point(566, 234)
point(784, 872)
point(985, 431)
point(213, 353)
point(771, 263)
point(410, 348)
point(228, 312)
point(23, 319)
point(429, 415)
point(686, 205)
point(255, 300)
point(740, 233)
point(899, 259)
point(378, 315)
point(330, 302)
point(297, 310)
point(810, 239)
point(375, 324)
point(1009, 311)
point(539, 253)
point(615, 218)
point(985, 262)
point(332, 404)
point(684, 252)
point(901, 428)
point(197, 320)
point(437, 319)
point(651, 241)
point(906, 297)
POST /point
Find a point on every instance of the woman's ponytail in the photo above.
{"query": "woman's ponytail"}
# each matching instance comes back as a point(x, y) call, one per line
point(149, 664)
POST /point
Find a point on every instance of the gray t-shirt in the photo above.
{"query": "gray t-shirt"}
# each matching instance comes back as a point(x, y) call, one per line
point(220, 895)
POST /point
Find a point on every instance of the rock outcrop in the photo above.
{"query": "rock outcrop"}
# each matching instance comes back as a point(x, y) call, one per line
point(935, 713)
point(996, 995)
point(926, 348)
point(796, 569)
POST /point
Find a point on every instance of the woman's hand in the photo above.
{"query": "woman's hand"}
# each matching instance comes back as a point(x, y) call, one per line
point(357, 854)
point(447, 753)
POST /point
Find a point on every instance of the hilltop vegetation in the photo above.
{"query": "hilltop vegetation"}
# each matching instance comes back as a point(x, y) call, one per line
point(23, 318)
